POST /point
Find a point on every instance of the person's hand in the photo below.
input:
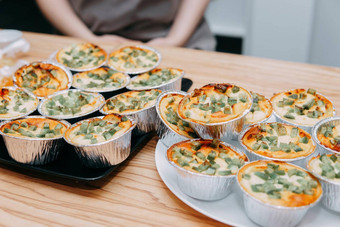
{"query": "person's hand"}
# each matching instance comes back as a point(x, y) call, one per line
point(164, 41)
point(111, 39)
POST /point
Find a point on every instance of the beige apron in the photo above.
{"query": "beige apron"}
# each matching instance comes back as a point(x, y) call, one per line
point(138, 19)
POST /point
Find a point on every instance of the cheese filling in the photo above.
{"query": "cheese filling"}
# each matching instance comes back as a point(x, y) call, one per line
point(207, 157)
point(329, 136)
point(15, 103)
point(260, 110)
point(327, 166)
point(131, 101)
point(156, 77)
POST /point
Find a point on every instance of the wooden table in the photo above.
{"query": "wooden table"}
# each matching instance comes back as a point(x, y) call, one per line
point(135, 194)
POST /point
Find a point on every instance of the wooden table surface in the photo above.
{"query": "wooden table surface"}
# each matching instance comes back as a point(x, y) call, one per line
point(135, 194)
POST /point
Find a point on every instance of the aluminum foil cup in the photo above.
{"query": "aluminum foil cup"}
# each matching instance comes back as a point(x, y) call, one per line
point(331, 190)
point(127, 78)
point(202, 186)
point(105, 154)
point(306, 128)
point(147, 119)
point(53, 58)
point(77, 117)
point(331, 121)
point(134, 72)
point(222, 130)
point(33, 151)
point(171, 85)
point(300, 161)
point(68, 73)
point(166, 134)
point(25, 114)
point(269, 215)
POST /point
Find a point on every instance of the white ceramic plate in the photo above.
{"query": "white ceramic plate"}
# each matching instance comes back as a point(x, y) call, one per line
point(230, 209)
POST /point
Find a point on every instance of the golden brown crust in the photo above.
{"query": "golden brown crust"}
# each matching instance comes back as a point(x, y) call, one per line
point(288, 198)
point(42, 79)
point(81, 56)
point(302, 107)
point(215, 103)
point(281, 142)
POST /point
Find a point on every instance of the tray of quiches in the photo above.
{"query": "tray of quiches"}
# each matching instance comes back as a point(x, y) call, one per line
point(80, 114)
point(246, 160)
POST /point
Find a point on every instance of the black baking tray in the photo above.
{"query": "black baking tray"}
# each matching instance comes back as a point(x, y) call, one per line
point(68, 165)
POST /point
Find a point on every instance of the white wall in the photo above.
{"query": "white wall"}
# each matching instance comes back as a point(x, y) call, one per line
point(325, 42)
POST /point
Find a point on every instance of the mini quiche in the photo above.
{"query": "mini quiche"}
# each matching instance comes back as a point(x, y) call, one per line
point(134, 59)
point(279, 183)
point(81, 56)
point(215, 103)
point(210, 157)
point(131, 101)
point(155, 78)
point(70, 104)
point(260, 111)
point(302, 107)
point(168, 111)
point(98, 130)
point(278, 141)
point(327, 166)
point(15, 103)
point(329, 136)
point(42, 79)
point(34, 127)
point(100, 80)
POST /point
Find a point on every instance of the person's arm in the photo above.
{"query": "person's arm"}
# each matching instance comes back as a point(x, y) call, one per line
point(187, 18)
point(62, 16)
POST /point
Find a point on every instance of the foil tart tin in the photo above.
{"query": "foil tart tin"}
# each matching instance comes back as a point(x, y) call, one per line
point(127, 78)
point(166, 134)
point(300, 161)
point(33, 151)
point(68, 73)
point(269, 215)
point(331, 121)
point(134, 72)
point(77, 116)
point(53, 58)
point(222, 130)
point(172, 85)
point(25, 114)
point(331, 190)
point(306, 128)
point(107, 153)
point(147, 119)
point(202, 186)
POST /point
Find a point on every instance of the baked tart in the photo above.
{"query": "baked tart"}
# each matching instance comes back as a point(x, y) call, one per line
point(42, 79)
point(134, 59)
point(70, 104)
point(34, 127)
point(278, 141)
point(327, 166)
point(100, 80)
point(98, 130)
point(16, 103)
point(279, 183)
point(81, 56)
point(131, 101)
point(329, 136)
point(302, 107)
point(260, 111)
point(215, 103)
point(155, 78)
point(209, 157)
point(168, 112)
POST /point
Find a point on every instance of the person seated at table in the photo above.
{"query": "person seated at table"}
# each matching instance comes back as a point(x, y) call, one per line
point(161, 22)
